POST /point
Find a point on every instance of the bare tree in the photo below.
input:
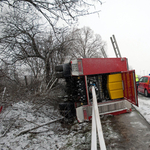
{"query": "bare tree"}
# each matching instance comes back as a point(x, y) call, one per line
point(23, 40)
point(85, 43)
point(22, 37)
point(55, 10)
point(36, 66)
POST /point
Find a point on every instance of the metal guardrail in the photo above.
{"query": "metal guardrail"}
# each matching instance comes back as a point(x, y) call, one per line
point(96, 125)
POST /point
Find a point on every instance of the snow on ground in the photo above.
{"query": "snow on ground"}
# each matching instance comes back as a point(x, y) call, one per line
point(144, 107)
point(22, 116)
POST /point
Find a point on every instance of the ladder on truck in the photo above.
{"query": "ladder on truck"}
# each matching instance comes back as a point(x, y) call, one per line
point(115, 46)
point(103, 52)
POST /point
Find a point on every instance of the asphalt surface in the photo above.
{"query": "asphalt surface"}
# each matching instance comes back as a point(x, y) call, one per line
point(130, 131)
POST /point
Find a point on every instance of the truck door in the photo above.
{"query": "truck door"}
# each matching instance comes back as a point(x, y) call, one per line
point(140, 87)
point(144, 84)
point(129, 87)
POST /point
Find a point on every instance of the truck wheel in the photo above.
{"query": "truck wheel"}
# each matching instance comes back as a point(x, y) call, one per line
point(146, 93)
point(67, 109)
point(59, 75)
point(59, 68)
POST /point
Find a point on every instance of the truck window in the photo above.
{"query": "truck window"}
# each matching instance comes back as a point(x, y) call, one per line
point(141, 80)
point(145, 79)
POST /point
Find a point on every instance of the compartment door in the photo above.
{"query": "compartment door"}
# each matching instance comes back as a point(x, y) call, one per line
point(129, 87)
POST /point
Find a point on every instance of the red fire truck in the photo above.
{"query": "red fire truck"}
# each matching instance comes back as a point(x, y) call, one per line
point(115, 87)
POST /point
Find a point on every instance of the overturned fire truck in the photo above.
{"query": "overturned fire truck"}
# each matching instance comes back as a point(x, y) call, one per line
point(115, 87)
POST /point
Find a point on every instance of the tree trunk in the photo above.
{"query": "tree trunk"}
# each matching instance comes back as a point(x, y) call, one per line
point(47, 70)
point(26, 82)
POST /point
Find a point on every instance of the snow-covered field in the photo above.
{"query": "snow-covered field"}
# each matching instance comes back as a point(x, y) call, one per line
point(17, 131)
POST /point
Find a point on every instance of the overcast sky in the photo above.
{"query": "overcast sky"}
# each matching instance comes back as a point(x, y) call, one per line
point(129, 21)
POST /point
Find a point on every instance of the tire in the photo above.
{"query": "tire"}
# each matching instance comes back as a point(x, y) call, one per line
point(146, 93)
point(67, 109)
point(59, 68)
point(66, 105)
point(59, 75)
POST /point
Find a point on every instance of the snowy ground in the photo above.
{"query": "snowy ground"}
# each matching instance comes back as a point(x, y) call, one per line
point(22, 116)
point(144, 107)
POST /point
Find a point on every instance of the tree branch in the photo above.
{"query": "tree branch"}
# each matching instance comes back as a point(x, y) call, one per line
point(28, 130)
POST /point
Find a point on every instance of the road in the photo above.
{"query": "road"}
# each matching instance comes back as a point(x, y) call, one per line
point(129, 131)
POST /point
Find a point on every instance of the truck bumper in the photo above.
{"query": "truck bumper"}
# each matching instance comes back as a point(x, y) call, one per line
point(84, 113)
